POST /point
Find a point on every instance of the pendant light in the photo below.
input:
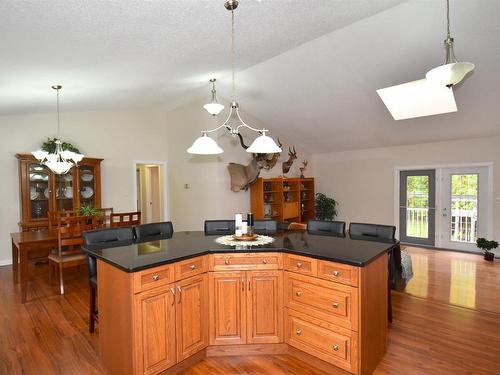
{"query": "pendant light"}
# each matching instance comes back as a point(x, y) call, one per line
point(453, 71)
point(205, 145)
point(214, 108)
point(61, 161)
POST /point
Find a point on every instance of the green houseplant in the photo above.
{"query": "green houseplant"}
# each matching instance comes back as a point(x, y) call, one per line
point(326, 207)
point(486, 246)
point(88, 210)
point(50, 146)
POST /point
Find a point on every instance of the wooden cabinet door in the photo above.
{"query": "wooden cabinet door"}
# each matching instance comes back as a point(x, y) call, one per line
point(264, 307)
point(227, 308)
point(155, 330)
point(192, 316)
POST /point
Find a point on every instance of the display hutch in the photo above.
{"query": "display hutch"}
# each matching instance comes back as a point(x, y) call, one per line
point(42, 191)
point(283, 199)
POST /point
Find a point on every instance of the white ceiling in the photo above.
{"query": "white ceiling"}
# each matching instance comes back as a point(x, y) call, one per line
point(308, 68)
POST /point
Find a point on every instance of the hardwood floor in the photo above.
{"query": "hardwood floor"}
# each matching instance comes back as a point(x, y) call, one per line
point(431, 335)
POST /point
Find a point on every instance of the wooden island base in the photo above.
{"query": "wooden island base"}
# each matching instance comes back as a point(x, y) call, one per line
point(167, 318)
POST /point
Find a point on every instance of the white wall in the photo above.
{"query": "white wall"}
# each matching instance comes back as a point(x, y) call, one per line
point(363, 181)
point(209, 195)
point(119, 137)
point(122, 137)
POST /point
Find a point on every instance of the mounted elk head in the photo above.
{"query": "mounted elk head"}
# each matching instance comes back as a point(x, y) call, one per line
point(242, 177)
point(286, 165)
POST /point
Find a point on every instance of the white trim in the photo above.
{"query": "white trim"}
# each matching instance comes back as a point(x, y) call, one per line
point(166, 208)
point(438, 168)
point(5, 262)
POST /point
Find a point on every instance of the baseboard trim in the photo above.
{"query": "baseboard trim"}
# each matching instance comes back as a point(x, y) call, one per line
point(5, 262)
point(248, 349)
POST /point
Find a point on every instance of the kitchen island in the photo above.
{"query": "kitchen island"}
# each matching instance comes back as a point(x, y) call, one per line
point(166, 303)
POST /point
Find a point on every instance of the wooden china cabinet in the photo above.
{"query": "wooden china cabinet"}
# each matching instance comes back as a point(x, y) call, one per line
point(42, 191)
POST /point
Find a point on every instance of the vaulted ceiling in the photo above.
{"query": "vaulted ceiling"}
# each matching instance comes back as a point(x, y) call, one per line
point(307, 68)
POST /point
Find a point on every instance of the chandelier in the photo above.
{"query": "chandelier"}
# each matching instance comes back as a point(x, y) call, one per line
point(453, 71)
point(60, 161)
point(214, 107)
point(205, 145)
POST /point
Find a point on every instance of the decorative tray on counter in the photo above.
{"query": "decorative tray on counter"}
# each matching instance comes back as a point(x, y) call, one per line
point(246, 237)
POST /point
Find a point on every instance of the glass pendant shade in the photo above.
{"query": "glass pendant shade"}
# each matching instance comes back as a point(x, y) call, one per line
point(450, 74)
point(59, 167)
point(213, 108)
point(40, 154)
point(263, 145)
point(205, 145)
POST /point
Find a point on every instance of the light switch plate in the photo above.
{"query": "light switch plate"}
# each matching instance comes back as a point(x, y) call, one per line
point(498, 200)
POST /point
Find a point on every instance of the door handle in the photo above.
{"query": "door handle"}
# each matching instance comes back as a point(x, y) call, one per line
point(172, 290)
point(242, 283)
point(180, 293)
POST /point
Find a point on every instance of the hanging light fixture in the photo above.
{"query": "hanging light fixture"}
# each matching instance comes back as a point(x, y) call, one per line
point(453, 71)
point(214, 108)
point(61, 161)
point(205, 145)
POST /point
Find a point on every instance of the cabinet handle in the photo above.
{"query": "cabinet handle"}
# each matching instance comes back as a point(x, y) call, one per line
point(299, 264)
point(249, 284)
point(336, 273)
point(180, 293)
point(298, 294)
point(242, 282)
point(172, 290)
point(335, 305)
point(298, 332)
point(192, 266)
point(264, 261)
point(336, 348)
point(226, 262)
point(156, 277)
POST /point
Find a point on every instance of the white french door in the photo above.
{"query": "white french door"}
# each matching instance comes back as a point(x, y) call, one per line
point(464, 208)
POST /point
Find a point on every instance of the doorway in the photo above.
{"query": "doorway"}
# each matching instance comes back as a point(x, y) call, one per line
point(150, 196)
point(445, 207)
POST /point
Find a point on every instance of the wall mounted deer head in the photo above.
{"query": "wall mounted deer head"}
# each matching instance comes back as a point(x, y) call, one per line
point(286, 165)
point(242, 177)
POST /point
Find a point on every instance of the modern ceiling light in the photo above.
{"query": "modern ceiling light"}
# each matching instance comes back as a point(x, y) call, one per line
point(214, 108)
point(60, 161)
point(205, 145)
point(453, 71)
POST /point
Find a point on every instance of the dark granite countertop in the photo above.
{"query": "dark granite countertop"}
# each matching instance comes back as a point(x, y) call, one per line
point(136, 256)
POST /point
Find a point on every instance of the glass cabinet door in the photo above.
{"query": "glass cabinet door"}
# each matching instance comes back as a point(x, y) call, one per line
point(87, 185)
point(39, 191)
point(64, 191)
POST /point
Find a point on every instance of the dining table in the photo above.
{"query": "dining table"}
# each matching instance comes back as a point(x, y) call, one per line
point(24, 243)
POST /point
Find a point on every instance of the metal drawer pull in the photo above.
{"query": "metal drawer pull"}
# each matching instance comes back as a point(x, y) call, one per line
point(172, 290)
point(156, 277)
point(298, 294)
point(298, 332)
point(264, 261)
point(336, 348)
point(335, 305)
point(180, 293)
point(336, 273)
point(192, 266)
point(299, 264)
point(226, 262)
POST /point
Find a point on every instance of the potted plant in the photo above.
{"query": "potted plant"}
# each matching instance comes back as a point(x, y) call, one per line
point(326, 207)
point(487, 245)
point(88, 210)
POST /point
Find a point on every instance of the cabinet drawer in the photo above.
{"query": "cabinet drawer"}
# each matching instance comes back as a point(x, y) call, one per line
point(332, 344)
point(245, 261)
point(190, 267)
point(335, 303)
point(153, 278)
point(300, 264)
point(339, 273)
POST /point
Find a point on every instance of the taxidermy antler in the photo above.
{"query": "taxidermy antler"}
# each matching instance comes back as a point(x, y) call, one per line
point(286, 165)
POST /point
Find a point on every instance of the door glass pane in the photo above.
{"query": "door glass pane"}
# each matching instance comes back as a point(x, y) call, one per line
point(64, 192)
point(87, 185)
point(464, 192)
point(417, 206)
point(39, 190)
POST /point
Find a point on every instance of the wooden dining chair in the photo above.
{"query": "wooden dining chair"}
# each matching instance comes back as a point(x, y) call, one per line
point(297, 226)
point(104, 218)
point(125, 219)
point(69, 250)
point(54, 216)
